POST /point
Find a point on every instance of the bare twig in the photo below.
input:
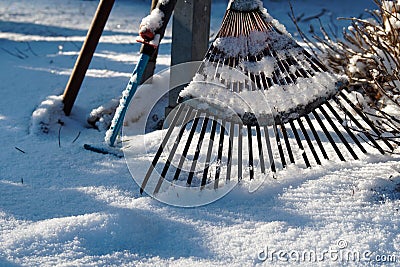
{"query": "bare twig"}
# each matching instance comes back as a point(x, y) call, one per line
point(14, 54)
point(20, 150)
point(59, 136)
point(323, 11)
point(76, 138)
point(369, 54)
point(59, 132)
point(30, 49)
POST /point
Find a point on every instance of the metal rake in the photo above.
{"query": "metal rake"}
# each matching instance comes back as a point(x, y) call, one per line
point(204, 147)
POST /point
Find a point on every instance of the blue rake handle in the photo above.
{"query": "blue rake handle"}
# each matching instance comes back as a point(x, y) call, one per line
point(126, 98)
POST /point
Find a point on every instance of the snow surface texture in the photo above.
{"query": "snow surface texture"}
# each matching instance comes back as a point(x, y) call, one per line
point(64, 206)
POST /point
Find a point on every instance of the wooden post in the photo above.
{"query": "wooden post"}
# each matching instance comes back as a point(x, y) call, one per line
point(190, 36)
point(86, 54)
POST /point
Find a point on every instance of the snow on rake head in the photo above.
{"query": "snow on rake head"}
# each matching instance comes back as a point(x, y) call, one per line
point(257, 46)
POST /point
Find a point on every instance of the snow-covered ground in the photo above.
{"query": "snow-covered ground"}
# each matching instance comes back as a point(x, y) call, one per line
point(62, 205)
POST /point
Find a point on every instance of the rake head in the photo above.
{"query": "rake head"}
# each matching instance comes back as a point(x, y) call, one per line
point(258, 103)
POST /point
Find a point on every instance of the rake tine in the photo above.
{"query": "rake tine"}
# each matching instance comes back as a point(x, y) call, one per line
point(173, 150)
point(247, 21)
point(198, 148)
point(303, 73)
point(275, 78)
point(358, 124)
point(270, 155)
point(240, 156)
point(308, 139)
point(279, 63)
point(280, 149)
point(313, 65)
point(349, 148)
point(161, 148)
point(210, 55)
point(260, 149)
point(187, 146)
point(219, 156)
point(287, 143)
point(233, 29)
point(265, 26)
point(258, 81)
point(298, 140)
point(278, 74)
point(368, 121)
point(265, 82)
point(300, 72)
point(253, 79)
point(250, 146)
point(315, 61)
point(328, 135)
point(230, 144)
point(210, 147)
point(341, 121)
point(286, 65)
point(314, 132)
point(241, 87)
